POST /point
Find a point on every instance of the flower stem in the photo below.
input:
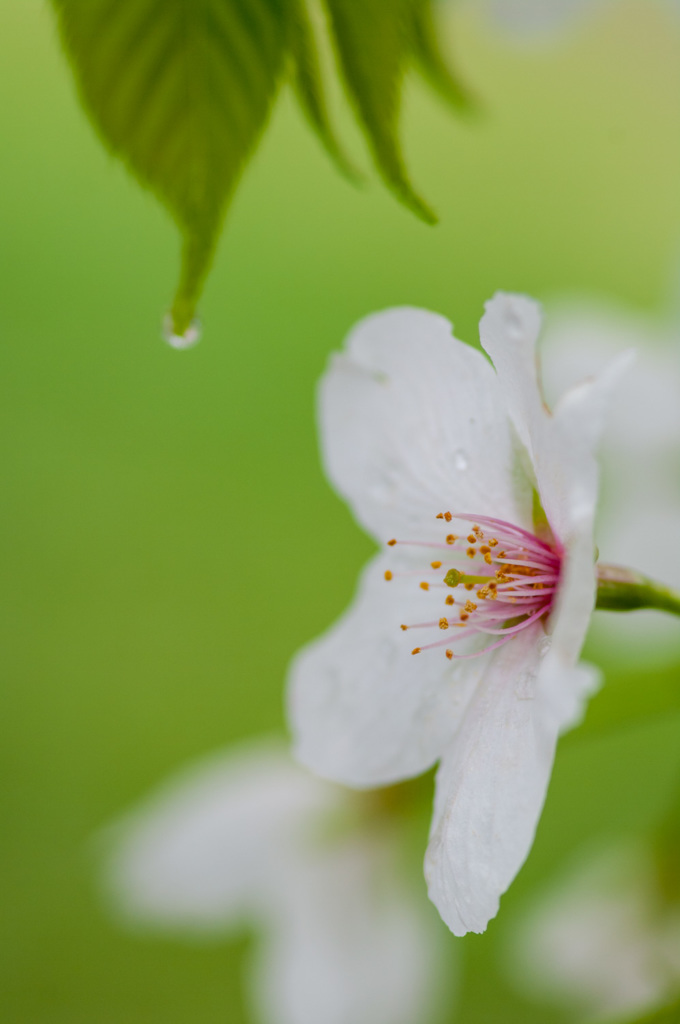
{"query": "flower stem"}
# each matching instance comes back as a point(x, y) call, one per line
point(624, 590)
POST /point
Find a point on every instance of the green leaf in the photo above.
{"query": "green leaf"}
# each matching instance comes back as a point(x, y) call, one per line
point(180, 89)
point(309, 88)
point(374, 42)
point(429, 57)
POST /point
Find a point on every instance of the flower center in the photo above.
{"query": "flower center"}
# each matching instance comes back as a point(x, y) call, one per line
point(513, 583)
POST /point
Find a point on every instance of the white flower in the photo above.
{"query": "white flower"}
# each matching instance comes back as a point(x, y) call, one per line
point(249, 837)
point(415, 424)
point(531, 17)
point(601, 940)
point(640, 454)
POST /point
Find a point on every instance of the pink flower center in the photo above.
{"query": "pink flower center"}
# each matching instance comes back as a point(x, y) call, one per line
point(509, 583)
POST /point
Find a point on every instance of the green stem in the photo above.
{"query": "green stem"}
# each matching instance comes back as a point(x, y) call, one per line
point(624, 590)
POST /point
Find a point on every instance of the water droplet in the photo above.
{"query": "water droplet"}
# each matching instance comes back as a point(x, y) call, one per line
point(460, 459)
point(181, 341)
point(544, 645)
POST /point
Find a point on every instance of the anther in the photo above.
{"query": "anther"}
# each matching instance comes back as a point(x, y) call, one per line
point(416, 650)
point(472, 539)
point(470, 606)
point(485, 549)
point(436, 565)
point(392, 542)
point(493, 542)
point(469, 586)
point(388, 574)
point(424, 585)
point(443, 623)
point(448, 517)
point(403, 627)
point(488, 559)
point(451, 538)
point(450, 599)
point(449, 654)
point(464, 616)
point(471, 552)
point(440, 515)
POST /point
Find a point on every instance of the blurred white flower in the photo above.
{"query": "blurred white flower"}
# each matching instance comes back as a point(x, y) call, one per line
point(414, 422)
point(601, 941)
point(541, 17)
point(639, 511)
point(249, 837)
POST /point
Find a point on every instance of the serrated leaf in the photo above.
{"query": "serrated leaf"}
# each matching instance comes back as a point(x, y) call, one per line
point(180, 89)
point(374, 43)
point(428, 55)
point(309, 87)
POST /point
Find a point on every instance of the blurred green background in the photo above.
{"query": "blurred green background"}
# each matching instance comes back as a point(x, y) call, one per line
point(168, 537)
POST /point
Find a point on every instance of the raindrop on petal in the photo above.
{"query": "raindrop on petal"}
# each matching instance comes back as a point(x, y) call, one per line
point(460, 459)
point(181, 341)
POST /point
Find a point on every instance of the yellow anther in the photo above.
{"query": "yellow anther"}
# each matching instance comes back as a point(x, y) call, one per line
point(471, 538)
point(424, 585)
point(485, 549)
point(488, 559)
point(403, 627)
point(471, 552)
point(436, 565)
point(469, 586)
point(416, 650)
point(493, 542)
point(388, 574)
point(392, 542)
point(470, 606)
point(451, 538)
point(448, 517)
point(449, 654)
point(450, 599)
point(443, 623)
point(464, 616)
point(440, 515)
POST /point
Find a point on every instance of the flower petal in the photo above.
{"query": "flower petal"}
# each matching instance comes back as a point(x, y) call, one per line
point(362, 710)
point(598, 939)
point(560, 446)
point(491, 786)
point(246, 835)
point(413, 423)
point(205, 850)
point(351, 945)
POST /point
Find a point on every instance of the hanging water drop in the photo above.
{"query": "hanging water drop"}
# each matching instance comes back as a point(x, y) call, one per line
point(188, 339)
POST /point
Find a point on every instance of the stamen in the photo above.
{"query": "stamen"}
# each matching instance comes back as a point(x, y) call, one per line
point(515, 589)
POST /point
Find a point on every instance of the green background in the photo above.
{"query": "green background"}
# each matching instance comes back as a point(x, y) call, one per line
point(168, 538)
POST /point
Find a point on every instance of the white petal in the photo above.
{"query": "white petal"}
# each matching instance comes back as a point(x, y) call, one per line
point(561, 446)
point(491, 786)
point(205, 850)
point(640, 451)
point(363, 711)
point(351, 945)
point(535, 16)
point(248, 837)
point(413, 423)
point(598, 939)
